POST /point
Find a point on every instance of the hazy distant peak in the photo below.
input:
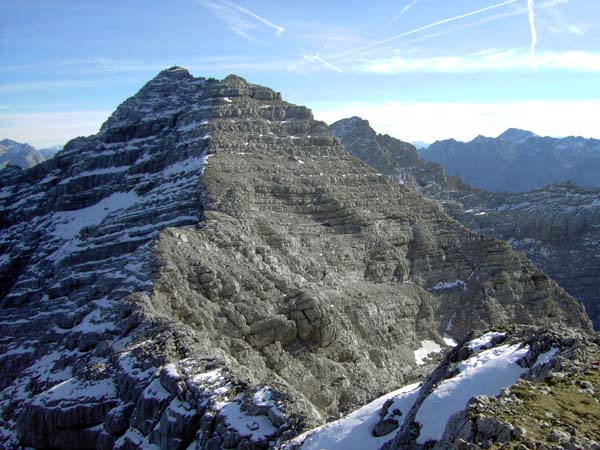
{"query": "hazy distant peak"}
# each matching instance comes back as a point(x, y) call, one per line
point(516, 135)
point(481, 138)
point(16, 153)
point(9, 142)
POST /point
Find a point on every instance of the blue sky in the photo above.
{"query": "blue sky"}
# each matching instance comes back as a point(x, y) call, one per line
point(417, 69)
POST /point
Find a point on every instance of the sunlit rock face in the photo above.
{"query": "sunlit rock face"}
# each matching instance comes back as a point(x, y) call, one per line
point(556, 226)
point(214, 270)
point(18, 154)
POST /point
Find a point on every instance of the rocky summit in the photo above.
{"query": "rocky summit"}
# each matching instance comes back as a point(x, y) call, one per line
point(214, 270)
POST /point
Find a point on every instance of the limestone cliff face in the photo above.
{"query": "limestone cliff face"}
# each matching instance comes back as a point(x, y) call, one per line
point(214, 270)
point(555, 226)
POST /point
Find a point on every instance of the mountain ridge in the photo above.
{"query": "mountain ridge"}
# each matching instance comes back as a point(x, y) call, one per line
point(213, 269)
point(518, 160)
point(551, 225)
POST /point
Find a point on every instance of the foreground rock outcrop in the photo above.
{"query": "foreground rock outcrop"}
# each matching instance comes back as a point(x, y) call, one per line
point(213, 270)
point(514, 388)
point(555, 226)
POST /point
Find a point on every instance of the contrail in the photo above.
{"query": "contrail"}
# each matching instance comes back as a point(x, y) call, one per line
point(317, 58)
point(278, 29)
point(406, 8)
point(532, 27)
point(426, 27)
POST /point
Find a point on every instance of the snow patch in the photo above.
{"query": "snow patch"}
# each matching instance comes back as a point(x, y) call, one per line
point(484, 341)
point(545, 357)
point(449, 285)
point(74, 389)
point(450, 342)
point(103, 171)
point(254, 427)
point(355, 431)
point(156, 390)
point(68, 224)
point(427, 347)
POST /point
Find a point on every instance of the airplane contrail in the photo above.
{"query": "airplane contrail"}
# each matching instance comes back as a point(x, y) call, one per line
point(406, 8)
point(426, 27)
point(278, 29)
point(532, 27)
point(317, 58)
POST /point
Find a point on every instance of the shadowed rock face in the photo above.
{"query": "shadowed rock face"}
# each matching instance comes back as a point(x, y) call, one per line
point(213, 267)
point(555, 226)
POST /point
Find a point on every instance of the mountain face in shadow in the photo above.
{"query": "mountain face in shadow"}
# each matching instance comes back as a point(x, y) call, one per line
point(518, 160)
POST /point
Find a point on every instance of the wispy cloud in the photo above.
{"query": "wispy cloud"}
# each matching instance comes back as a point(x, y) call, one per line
point(240, 20)
point(557, 22)
point(51, 128)
point(406, 8)
point(492, 60)
point(534, 38)
point(31, 86)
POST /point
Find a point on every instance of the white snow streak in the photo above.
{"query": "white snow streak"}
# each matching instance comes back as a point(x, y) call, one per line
point(485, 373)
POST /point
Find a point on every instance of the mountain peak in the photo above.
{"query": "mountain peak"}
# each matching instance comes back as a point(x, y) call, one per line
point(516, 135)
point(352, 124)
point(8, 142)
point(176, 72)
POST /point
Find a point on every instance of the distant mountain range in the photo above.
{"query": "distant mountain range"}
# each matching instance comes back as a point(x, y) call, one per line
point(420, 145)
point(24, 155)
point(519, 160)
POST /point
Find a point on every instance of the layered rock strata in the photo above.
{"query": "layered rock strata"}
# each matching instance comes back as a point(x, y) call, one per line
point(214, 270)
point(555, 226)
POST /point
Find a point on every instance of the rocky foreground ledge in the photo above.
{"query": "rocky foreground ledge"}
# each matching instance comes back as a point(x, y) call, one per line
point(213, 270)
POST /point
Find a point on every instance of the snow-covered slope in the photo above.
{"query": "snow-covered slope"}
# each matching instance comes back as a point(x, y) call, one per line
point(432, 414)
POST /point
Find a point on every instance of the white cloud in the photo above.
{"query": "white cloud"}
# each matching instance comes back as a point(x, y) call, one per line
point(497, 60)
point(46, 129)
point(430, 121)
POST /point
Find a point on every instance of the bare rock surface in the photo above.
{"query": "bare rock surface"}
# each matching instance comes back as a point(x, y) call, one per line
point(556, 226)
point(213, 270)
